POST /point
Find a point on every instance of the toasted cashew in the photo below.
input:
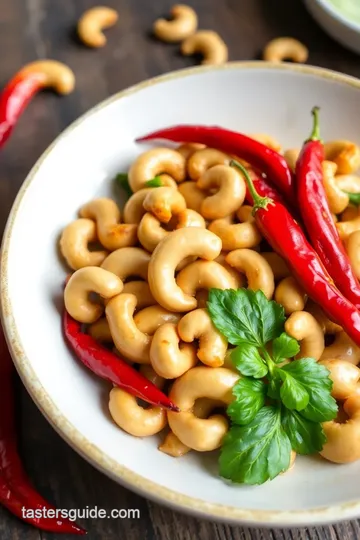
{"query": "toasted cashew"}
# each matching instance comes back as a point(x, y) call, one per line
point(305, 328)
point(202, 160)
point(345, 154)
point(353, 250)
point(245, 213)
point(141, 290)
point(51, 74)
point(204, 275)
point(344, 375)
point(343, 440)
point(207, 43)
point(170, 358)
point(100, 331)
point(327, 326)
point(164, 202)
point(230, 195)
point(81, 284)
point(190, 218)
point(343, 348)
point(239, 280)
point(133, 209)
point(285, 48)
point(187, 149)
point(267, 140)
point(290, 295)
point(212, 345)
point(291, 156)
point(345, 228)
point(350, 213)
point(183, 25)
point(92, 23)
point(128, 262)
point(168, 254)
point(193, 196)
point(215, 383)
point(337, 199)
point(277, 264)
point(236, 235)
point(74, 244)
point(348, 182)
point(154, 162)
point(111, 233)
point(256, 269)
point(148, 371)
point(128, 339)
point(148, 320)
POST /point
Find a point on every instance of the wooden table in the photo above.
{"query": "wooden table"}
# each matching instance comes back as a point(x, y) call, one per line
point(31, 29)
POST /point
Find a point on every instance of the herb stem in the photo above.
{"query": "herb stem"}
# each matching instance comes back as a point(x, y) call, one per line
point(269, 361)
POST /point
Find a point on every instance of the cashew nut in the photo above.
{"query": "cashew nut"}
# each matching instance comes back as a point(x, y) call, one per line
point(348, 182)
point(327, 326)
point(343, 439)
point(168, 254)
point(141, 290)
point(285, 48)
point(352, 244)
point(93, 22)
point(81, 284)
point(202, 160)
point(345, 228)
point(290, 295)
point(170, 358)
point(148, 320)
point(343, 348)
point(183, 25)
point(337, 199)
point(236, 235)
point(207, 43)
point(230, 195)
point(212, 345)
point(193, 196)
point(277, 264)
point(133, 209)
point(196, 433)
point(128, 262)
point(350, 213)
point(100, 331)
point(51, 74)
point(148, 371)
point(345, 154)
point(164, 202)
point(267, 140)
point(291, 156)
point(111, 233)
point(245, 213)
point(187, 149)
point(190, 218)
point(154, 162)
point(305, 328)
point(256, 269)
point(202, 297)
point(74, 244)
point(344, 375)
point(238, 278)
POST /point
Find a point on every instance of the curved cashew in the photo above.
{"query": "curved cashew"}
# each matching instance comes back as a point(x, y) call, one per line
point(342, 445)
point(196, 433)
point(51, 74)
point(169, 359)
point(128, 262)
point(277, 264)
point(344, 375)
point(345, 154)
point(164, 202)
point(128, 339)
point(148, 320)
point(111, 233)
point(193, 196)
point(190, 218)
point(285, 48)
point(343, 348)
point(230, 195)
point(168, 254)
point(291, 156)
point(238, 278)
point(81, 284)
point(74, 244)
point(148, 371)
point(345, 228)
point(256, 269)
point(337, 199)
point(154, 162)
point(204, 275)
point(305, 328)
point(244, 213)
point(352, 244)
point(212, 345)
point(290, 295)
point(141, 290)
point(183, 25)
point(133, 209)
point(327, 326)
point(92, 22)
point(100, 331)
point(207, 43)
point(202, 160)
point(236, 235)
point(267, 140)
point(350, 213)
point(187, 149)
point(348, 182)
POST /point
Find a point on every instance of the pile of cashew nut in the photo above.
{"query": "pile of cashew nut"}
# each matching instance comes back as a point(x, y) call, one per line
point(151, 270)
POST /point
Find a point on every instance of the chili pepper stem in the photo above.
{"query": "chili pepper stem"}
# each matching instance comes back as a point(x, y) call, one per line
point(315, 134)
point(259, 202)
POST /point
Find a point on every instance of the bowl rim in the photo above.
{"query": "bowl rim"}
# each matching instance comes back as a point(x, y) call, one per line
point(331, 10)
point(90, 452)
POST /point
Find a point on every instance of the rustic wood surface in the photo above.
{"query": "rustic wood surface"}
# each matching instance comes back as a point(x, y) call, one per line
point(31, 29)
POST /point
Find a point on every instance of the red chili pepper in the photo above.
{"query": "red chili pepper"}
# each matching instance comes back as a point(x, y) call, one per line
point(16, 491)
point(25, 84)
point(110, 367)
point(259, 156)
point(286, 237)
point(317, 216)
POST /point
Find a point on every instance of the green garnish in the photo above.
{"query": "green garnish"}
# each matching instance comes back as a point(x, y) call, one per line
point(354, 198)
point(154, 182)
point(276, 407)
point(122, 180)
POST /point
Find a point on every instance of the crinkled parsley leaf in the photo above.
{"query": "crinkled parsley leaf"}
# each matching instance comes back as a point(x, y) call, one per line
point(249, 399)
point(284, 347)
point(246, 358)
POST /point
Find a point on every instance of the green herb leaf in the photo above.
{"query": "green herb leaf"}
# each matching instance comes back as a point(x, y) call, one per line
point(284, 347)
point(246, 358)
point(122, 180)
point(249, 399)
point(314, 378)
point(354, 198)
point(154, 182)
point(245, 316)
point(257, 452)
point(292, 393)
point(306, 437)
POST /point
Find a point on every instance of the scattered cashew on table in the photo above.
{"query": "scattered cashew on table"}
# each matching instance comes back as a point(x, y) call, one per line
point(92, 23)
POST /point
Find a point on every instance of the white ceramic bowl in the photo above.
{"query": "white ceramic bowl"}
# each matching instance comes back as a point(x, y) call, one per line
point(79, 165)
point(339, 27)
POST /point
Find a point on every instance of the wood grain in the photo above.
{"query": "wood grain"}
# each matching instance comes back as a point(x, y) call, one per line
point(31, 29)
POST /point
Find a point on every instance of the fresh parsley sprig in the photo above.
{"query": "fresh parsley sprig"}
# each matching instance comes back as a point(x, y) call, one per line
point(277, 406)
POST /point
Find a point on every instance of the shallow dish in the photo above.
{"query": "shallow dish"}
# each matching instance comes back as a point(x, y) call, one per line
point(251, 97)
